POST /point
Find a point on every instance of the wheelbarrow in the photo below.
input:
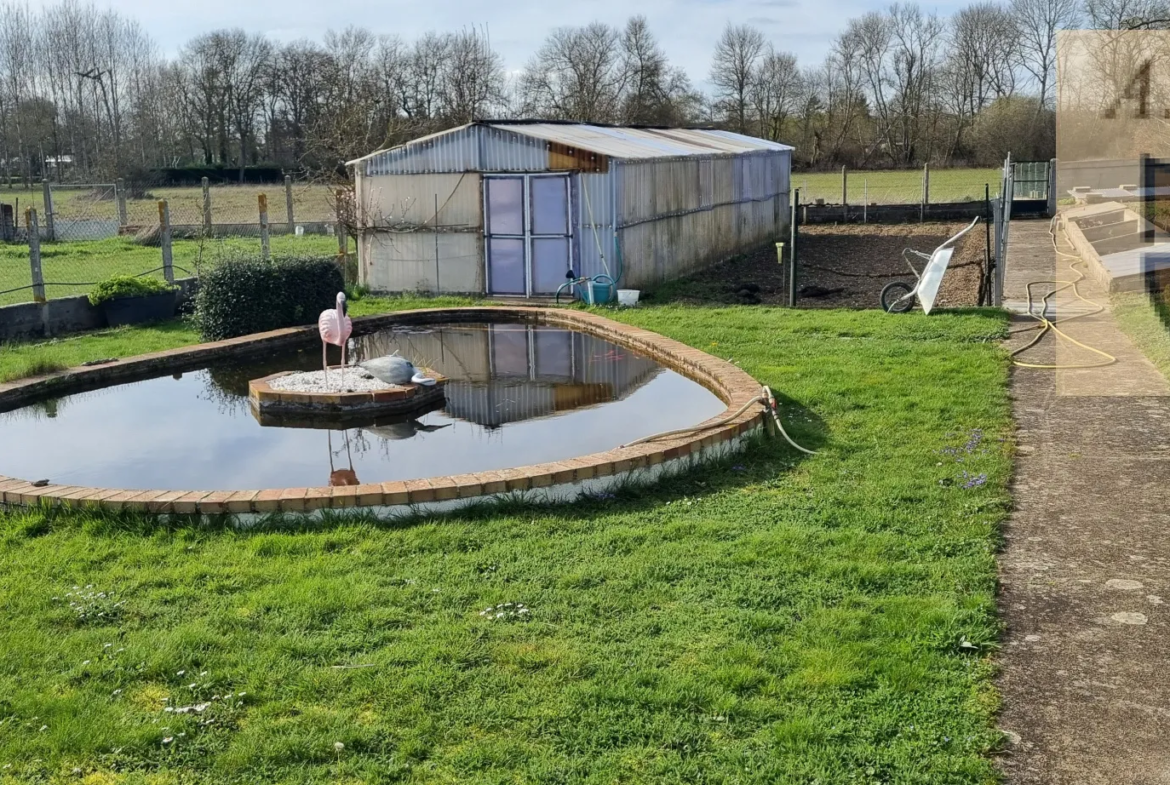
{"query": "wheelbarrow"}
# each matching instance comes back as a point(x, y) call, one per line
point(900, 296)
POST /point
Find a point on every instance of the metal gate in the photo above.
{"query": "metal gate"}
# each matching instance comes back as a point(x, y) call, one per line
point(528, 234)
point(1030, 180)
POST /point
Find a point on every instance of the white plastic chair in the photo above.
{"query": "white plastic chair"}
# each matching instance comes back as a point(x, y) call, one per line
point(899, 296)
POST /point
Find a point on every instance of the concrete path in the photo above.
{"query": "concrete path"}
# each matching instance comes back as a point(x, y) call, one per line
point(1085, 571)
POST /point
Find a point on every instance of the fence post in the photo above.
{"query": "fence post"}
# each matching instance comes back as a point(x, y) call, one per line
point(844, 194)
point(262, 199)
point(50, 230)
point(164, 237)
point(865, 201)
point(288, 203)
point(988, 220)
point(34, 255)
point(792, 249)
point(206, 206)
point(925, 192)
point(1052, 188)
point(342, 240)
point(120, 197)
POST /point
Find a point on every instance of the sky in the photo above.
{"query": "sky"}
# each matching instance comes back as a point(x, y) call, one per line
point(687, 29)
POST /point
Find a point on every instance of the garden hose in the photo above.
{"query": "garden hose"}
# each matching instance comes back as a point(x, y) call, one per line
point(1046, 325)
point(765, 397)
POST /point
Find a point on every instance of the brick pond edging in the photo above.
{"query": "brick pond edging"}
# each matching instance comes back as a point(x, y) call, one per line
point(556, 481)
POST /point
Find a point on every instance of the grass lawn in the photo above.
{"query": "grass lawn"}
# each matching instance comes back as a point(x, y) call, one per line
point(897, 187)
point(778, 618)
point(70, 266)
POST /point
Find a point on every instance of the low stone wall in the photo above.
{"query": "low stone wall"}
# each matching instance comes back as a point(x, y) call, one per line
point(63, 315)
point(558, 481)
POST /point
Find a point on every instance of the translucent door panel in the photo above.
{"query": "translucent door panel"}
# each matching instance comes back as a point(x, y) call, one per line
point(505, 205)
point(550, 262)
point(550, 205)
point(510, 351)
point(506, 265)
point(553, 350)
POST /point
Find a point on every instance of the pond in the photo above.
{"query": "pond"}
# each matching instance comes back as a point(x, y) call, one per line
point(517, 395)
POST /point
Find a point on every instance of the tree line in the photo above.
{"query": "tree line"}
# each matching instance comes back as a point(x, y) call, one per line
point(85, 93)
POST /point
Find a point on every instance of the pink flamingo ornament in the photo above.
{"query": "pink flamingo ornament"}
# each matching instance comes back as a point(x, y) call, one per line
point(335, 328)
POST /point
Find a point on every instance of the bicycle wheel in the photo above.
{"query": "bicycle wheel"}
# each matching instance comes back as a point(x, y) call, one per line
point(896, 297)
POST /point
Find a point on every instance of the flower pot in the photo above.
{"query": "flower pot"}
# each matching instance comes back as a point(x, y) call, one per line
point(136, 310)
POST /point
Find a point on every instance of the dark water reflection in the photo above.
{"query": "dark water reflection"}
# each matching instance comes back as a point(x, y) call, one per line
point(517, 395)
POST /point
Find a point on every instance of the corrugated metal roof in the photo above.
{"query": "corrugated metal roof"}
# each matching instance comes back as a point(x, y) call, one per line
point(622, 143)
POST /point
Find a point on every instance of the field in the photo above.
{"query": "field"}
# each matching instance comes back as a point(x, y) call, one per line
point(72, 267)
point(230, 204)
point(774, 618)
point(897, 187)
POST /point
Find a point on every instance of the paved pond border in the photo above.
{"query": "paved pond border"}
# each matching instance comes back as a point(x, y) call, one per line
point(556, 481)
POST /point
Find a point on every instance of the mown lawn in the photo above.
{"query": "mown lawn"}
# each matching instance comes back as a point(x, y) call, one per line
point(896, 186)
point(776, 618)
point(69, 268)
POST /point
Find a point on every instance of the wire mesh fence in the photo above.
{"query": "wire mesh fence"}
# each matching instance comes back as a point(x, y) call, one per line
point(905, 186)
point(89, 232)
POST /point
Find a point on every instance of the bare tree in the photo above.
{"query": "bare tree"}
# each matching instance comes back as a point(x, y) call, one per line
point(775, 93)
point(473, 80)
point(733, 72)
point(1036, 23)
point(577, 74)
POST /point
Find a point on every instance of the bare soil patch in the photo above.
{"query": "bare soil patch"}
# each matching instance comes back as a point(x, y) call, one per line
point(841, 266)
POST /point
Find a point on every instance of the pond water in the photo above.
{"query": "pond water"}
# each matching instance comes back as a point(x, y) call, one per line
point(517, 395)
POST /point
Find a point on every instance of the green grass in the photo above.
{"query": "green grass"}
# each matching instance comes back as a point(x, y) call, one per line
point(87, 262)
point(777, 618)
point(896, 187)
point(1146, 320)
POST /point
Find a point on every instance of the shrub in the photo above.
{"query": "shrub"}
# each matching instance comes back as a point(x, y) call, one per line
point(127, 286)
point(248, 295)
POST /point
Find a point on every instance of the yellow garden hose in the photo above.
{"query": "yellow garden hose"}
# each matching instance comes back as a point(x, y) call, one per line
point(1047, 325)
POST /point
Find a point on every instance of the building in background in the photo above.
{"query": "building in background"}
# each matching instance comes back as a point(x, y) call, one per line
point(510, 207)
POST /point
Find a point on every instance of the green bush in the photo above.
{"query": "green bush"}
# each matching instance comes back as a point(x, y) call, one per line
point(127, 286)
point(247, 295)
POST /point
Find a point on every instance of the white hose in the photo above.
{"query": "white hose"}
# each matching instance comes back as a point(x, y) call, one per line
point(765, 397)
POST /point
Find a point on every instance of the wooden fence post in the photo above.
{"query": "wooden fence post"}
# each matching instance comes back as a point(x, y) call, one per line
point(206, 206)
point(844, 193)
point(925, 192)
point(164, 237)
point(265, 248)
point(120, 197)
point(288, 203)
point(50, 229)
point(34, 255)
point(342, 240)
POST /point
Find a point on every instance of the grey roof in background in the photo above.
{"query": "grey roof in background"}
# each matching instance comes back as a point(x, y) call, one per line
point(619, 142)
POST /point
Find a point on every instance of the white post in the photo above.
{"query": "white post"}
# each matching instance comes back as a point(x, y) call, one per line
point(120, 197)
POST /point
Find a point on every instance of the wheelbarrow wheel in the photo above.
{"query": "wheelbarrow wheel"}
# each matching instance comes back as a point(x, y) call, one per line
point(896, 299)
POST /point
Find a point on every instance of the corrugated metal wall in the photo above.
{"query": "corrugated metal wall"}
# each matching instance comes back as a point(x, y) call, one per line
point(676, 216)
point(472, 148)
point(673, 215)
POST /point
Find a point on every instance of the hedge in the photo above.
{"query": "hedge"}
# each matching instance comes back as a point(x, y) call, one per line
point(249, 295)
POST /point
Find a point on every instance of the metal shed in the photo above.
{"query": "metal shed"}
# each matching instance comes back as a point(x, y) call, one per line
point(509, 207)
